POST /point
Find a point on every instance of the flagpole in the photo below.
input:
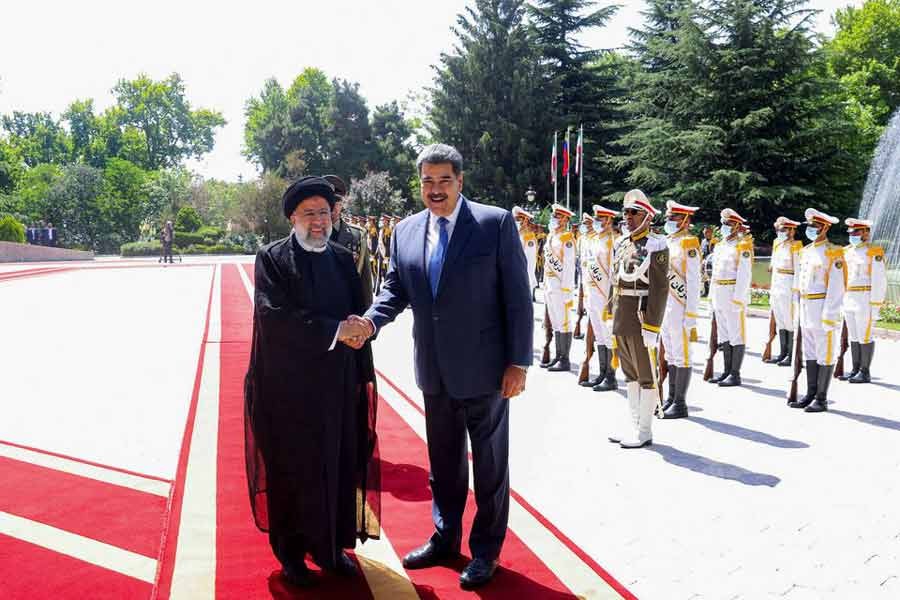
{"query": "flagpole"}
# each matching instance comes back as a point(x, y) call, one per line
point(555, 177)
point(565, 162)
point(579, 158)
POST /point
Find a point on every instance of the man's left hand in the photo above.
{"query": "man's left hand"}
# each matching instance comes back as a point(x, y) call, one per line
point(513, 381)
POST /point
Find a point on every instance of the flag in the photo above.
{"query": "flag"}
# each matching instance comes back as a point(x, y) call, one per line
point(566, 155)
point(579, 152)
point(553, 161)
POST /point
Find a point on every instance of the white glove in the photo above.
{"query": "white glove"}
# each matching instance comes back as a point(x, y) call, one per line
point(651, 339)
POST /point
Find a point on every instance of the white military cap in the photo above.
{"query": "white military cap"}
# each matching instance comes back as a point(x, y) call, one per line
point(785, 222)
point(817, 216)
point(562, 211)
point(852, 223)
point(518, 211)
point(729, 214)
point(602, 211)
point(675, 208)
point(637, 199)
point(586, 218)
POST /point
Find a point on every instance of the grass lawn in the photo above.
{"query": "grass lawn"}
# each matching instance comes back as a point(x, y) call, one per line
point(886, 325)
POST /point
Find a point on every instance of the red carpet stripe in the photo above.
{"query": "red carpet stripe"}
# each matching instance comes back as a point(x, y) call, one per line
point(245, 566)
point(34, 573)
point(170, 533)
point(107, 513)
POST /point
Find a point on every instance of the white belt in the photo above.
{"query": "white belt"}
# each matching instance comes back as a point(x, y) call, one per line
point(632, 292)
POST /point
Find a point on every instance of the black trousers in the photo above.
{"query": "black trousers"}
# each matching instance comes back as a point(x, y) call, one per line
point(486, 419)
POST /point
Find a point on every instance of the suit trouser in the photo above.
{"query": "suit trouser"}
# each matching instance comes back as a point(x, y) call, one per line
point(635, 360)
point(486, 419)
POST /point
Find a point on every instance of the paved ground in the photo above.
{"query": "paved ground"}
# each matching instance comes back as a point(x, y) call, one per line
point(746, 499)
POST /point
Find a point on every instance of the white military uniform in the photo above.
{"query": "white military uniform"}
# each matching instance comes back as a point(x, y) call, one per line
point(823, 275)
point(596, 269)
point(783, 288)
point(529, 245)
point(732, 273)
point(559, 278)
point(866, 290)
point(684, 298)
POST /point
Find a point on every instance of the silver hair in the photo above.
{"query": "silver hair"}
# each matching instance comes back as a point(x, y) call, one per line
point(437, 154)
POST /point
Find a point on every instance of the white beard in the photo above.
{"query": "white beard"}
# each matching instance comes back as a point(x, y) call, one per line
point(312, 244)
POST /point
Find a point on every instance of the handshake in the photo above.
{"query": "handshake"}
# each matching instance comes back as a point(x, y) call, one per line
point(354, 331)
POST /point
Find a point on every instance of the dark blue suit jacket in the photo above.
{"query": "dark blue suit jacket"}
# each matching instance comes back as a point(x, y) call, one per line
point(482, 319)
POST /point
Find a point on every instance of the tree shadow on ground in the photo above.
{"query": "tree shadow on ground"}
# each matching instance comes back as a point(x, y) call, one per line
point(889, 386)
point(867, 419)
point(713, 468)
point(405, 482)
point(767, 391)
point(748, 434)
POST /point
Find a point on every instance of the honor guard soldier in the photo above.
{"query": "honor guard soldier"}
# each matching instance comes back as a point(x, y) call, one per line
point(384, 243)
point(640, 284)
point(823, 279)
point(596, 268)
point(732, 273)
point(559, 283)
point(681, 309)
point(372, 243)
point(866, 290)
point(527, 236)
point(350, 236)
point(783, 288)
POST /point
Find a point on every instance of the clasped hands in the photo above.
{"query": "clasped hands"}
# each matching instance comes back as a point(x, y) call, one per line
point(354, 331)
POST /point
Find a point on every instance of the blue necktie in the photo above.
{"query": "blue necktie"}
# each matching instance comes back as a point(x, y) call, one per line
point(436, 262)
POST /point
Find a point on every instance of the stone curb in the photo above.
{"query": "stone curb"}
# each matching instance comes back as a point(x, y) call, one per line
point(885, 334)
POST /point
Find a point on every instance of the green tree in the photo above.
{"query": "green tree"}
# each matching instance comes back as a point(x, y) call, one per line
point(11, 230)
point(171, 130)
point(167, 191)
point(124, 204)
point(373, 195)
point(188, 219)
point(491, 100)
point(393, 134)
point(11, 166)
point(267, 118)
point(349, 148)
point(32, 195)
point(38, 137)
point(73, 207)
point(260, 209)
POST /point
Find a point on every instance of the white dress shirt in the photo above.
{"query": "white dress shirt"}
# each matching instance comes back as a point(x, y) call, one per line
point(433, 236)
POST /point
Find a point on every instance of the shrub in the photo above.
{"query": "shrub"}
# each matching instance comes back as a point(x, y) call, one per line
point(183, 239)
point(211, 233)
point(188, 219)
point(890, 313)
point(11, 230)
point(152, 248)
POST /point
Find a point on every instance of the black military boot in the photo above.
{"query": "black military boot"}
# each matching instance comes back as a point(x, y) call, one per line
point(725, 349)
point(820, 404)
point(855, 354)
point(789, 344)
point(609, 382)
point(601, 361)
point(565, 345)
point(679, 410)
point(555, 359)
point(670, 399)
point(737, 359)
point(782, 341)
point(866, 352)
point(812, 385)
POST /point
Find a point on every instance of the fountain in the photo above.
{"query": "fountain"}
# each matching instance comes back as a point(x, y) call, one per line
point(881, 202)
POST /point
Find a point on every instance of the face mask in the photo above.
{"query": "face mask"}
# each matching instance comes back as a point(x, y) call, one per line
point(812, 233)
point(598, 226)
point(554, 223)
point(583, 229)
point(856, 240)
point(781, 236)
point(725, 230)
point(670, 227)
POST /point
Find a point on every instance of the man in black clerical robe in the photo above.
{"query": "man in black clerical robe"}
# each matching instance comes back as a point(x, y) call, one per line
point(310, 399)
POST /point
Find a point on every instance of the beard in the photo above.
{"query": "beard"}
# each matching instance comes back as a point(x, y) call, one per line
point(313, 240)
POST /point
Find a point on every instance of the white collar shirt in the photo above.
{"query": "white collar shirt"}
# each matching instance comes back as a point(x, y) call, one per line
point(434, 231)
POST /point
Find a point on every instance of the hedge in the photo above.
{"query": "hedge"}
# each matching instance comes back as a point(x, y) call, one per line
point(154, 248)
point(11, 230)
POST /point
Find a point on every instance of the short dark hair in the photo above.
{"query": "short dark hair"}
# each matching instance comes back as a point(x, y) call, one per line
point(437, 154)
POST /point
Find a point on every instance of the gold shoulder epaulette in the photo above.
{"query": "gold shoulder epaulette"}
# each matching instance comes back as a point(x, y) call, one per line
point(797, 246)
point(745, 244)
point(875, 251)
point(690, 242)
point(834, 252)
point(529, 236)
point(568, 236)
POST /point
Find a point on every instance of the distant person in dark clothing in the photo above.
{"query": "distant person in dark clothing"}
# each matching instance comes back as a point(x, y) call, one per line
point(167, 236)
point(51, 235)
point(31, 234)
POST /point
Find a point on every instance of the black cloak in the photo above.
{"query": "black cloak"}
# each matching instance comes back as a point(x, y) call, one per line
point(309, 413)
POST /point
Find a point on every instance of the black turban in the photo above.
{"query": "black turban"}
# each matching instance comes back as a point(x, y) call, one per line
point(304, 188)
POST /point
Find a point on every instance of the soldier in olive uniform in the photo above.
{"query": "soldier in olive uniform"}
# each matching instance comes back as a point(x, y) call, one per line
point(372, 246)
point(640, 292)
point(349, 236)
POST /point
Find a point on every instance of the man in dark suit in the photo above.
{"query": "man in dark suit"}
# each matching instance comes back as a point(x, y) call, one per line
point(461, 268)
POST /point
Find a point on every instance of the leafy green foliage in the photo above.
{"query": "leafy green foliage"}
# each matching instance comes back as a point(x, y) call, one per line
point(187, 219)
point(11, 230)
point(373, 195)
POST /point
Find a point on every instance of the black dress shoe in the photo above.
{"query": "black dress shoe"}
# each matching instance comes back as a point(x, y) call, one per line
point(477, 573)
point(429, 555)
point(345, 566)
point(298, 575)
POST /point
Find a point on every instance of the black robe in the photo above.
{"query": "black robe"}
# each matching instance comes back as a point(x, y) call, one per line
point(311, 448)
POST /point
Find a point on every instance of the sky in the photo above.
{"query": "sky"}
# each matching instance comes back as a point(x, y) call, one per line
point(54, 52)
